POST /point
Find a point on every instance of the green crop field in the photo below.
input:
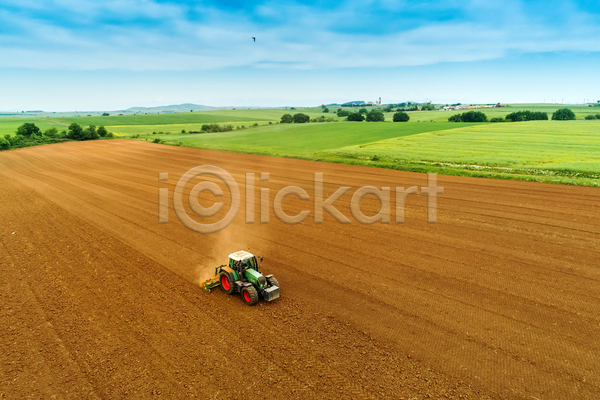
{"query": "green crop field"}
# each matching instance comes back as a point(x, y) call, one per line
point(551, 151)
point(175, 123)
point(131, 130)
point(302, 139)
point(8, 126)
point(205, 117)
point(201, 117)
point(498, 112)
point(126, 125)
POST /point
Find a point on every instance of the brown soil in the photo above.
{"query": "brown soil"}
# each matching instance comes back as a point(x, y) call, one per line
point(499, 299)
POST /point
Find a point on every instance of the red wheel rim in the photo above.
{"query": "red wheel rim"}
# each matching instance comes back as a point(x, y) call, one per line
point(247, 296)
point(225, 282)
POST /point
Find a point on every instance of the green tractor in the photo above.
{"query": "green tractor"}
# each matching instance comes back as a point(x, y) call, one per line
point(242, 275)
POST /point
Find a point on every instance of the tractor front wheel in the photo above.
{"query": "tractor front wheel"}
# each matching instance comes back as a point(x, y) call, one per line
point(250, 295)
point(226, 283)
point(272, 281)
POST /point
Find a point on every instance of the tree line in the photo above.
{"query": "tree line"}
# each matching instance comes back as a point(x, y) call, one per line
point(29, 134)
point(359, 116)
point(298, 118)
point(563, 114)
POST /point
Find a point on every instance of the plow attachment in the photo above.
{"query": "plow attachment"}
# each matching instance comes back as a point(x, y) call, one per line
point(211, 283)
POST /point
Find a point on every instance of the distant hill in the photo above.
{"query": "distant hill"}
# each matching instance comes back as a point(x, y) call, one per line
point(172, 108)
point(353, 103)
point(132, 110)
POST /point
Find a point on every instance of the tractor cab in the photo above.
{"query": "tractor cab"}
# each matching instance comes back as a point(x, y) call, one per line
point(243, 260)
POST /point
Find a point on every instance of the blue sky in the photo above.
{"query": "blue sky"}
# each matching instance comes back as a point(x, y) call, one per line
point(103, 55)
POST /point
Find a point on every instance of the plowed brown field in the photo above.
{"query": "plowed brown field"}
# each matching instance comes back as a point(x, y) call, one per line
point(499, 299)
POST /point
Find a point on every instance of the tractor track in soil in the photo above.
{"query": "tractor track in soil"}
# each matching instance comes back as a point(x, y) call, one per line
point(499, 299)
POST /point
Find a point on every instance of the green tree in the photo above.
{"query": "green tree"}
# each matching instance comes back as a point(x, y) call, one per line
point(287, 119)
point(516, 116)
point(401, 116)
point(474, 116)
point(375, 116)
point(12, 140)
point(86, 134)
point(469, 116)
point(357, 117)
point(90, 134)
point(4, 144)
point(598, 116)
point(363, 111)
point(527, 116)
point(76, 132)
point(326, 110)
point(343, 113)
point(93, 131)
point(387, 109)
point(563, 114)
point(301, 118)
point(590, 116)
point(51, 133)
point(28, 129)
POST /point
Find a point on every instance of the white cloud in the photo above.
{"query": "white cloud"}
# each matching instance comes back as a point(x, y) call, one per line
point(145, 35)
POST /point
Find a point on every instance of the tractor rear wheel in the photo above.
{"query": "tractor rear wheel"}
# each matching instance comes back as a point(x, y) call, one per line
point(250, 295)
point(273, 281)
point(226, 283)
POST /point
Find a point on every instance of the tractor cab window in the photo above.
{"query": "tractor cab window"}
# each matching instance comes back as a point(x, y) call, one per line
point(243, 264)
point(236, 265)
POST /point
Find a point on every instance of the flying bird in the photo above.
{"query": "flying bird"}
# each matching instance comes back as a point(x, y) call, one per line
point(253, 38)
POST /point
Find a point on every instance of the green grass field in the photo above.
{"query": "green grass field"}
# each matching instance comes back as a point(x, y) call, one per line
point(550, 151)
point(126, 125)
point(8, 126)
point(302, 139)
point(204, 117)
point(200, 117)
point(440, 116)
point(131, 130)
point(556, 151)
